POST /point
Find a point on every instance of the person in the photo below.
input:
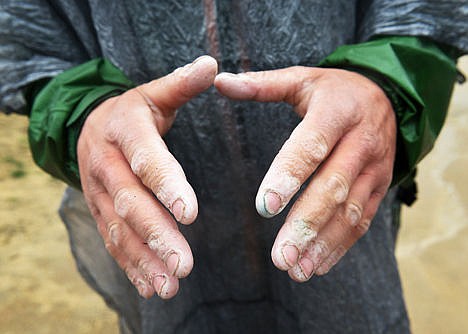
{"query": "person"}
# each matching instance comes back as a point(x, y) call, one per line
point(327, 142)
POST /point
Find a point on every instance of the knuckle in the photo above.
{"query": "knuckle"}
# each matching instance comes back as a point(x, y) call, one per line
point(113, 132)
point(97, 164)
point(319, 251)
point(155, 169)
point(140, 161)
point(131, 274)
point(159, 242)
point(300, 155)
point(314, 149)
point(369, 143)
point(353, 213)
point(338, 187)
point(125, 201)
point(362, 227)
point(305, 231)
point(143, 264)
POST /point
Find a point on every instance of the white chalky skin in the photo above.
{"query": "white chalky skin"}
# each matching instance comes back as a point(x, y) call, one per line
point(171, 188)
point(302, 152)
point(124, 200)
point(300, 234)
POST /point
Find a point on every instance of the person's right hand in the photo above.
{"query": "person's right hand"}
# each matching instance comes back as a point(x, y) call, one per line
point(124, 162)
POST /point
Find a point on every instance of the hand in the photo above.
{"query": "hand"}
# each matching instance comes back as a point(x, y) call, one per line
point(347, 138)
point(123, 161)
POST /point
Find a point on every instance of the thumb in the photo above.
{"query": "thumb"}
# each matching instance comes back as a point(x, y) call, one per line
point(175, 89)
point(281, 85)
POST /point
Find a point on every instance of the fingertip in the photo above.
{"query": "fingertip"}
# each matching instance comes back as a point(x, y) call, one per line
point(260, 206)
point(275, 192)
point(190, 213)
point(166, 287)
point(185, 266)
point(204, 69)
point(144, 290)
point(185, 209)
point(302, 271)
point(285, 256)
point(207, 61)
point(235, 86)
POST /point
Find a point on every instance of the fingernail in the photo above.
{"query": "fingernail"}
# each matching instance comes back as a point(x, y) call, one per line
point(272, 202)
point(290, 255)
point(178, 209)
point(307, 267)
point(159, 284)
point(172, 263)
point(205, 61)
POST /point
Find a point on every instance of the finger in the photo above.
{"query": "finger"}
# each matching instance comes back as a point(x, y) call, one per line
point(144, 269)
point(145, 289)
point(299, 157)
point(349, 224)
point(309, 144)
point(319, 202)
point(357, 231)
point(149, 158)
point(281, 85)
point(145, 215)
point(175, 89)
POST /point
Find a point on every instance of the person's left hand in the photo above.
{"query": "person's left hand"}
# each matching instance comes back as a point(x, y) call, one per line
point(347, 139)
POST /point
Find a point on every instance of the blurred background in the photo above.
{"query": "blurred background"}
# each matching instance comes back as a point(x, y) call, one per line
point(41, 291)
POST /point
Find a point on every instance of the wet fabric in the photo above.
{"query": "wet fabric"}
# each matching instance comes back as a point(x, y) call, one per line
point(225, 148)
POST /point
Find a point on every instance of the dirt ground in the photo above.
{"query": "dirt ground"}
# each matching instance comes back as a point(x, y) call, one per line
point(41, 291)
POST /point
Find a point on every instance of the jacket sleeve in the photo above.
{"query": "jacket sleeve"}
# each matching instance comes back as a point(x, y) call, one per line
point(444, 22)
point(59, 111)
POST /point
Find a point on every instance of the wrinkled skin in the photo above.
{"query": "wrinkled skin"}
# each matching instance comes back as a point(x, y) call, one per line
point(123, 161)
point(347, 138)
